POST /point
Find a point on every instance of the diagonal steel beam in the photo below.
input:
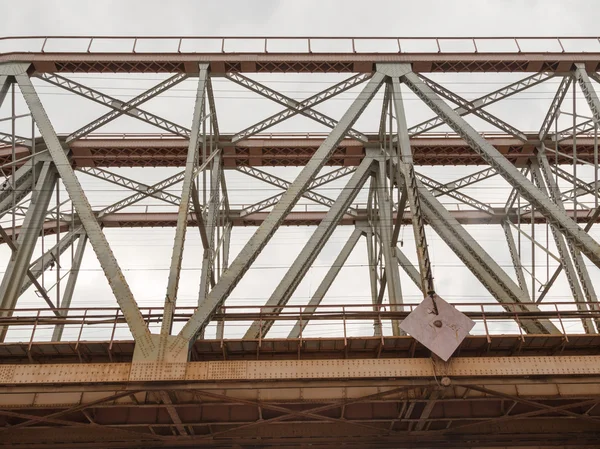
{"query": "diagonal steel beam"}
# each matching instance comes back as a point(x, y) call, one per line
point(514, 256)
point(561, 246)
point(129, 183)
point(257, 242)
point(506, 169)
point(440, 189)
point(212, 108)
point(480, 263)
point(406, 174)
point(214, 209)
point(98, 240)
point(578, 266)
point(295, 107)
point(17, 267)
point(118, 107)
point(325, 284)
point(554, 109)
point(311, 250)
point(70, 288)
point(490, 118)
point(408, 267)
point(384, 225)
point(5, 83)
point(484, 101)
point(587, 88)
point(283, 184)
point(184, 205)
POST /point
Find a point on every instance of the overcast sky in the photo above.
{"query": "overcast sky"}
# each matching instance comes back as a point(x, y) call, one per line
point(144, 254)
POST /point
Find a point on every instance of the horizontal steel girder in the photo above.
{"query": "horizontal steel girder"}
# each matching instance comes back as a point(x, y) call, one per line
point(239, 218)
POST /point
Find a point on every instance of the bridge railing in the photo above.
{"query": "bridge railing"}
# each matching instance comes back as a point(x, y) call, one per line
point(296, 44)
point(108, 324)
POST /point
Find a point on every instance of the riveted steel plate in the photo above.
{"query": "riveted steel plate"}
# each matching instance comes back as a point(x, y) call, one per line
point(7, 373)
point(227, 370)
point(68, 373)
point(157, 371)
point(440, 332)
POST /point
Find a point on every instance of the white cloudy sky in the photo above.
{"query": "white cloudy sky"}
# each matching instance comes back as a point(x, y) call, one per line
point(144, 254)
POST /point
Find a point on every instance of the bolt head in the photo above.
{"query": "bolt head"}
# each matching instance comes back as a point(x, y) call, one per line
point(437, 323)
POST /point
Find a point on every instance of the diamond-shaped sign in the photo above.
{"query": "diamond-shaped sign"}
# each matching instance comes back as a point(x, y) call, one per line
point(441, 333)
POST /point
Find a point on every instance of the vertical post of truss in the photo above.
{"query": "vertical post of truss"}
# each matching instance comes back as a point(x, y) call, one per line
point(186, 191)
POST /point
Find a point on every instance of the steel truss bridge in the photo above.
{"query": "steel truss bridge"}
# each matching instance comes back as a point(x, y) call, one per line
point(529, 376)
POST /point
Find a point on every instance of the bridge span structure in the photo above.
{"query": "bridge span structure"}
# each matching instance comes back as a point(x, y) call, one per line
point(416, 187)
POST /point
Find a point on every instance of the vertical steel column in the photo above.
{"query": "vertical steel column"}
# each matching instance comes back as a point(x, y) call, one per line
point(385, 224)
point(252, 249)
point(325, 284)
point(406, 166)
point(184, 205)
point(373, 281)
point(98, 240)
point(313, 247)
point(505, 168)
point(211, 223)
point(16, 269)
point(70, 288)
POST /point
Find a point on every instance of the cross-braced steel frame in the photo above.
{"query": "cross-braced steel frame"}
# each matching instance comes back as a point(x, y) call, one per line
point(172, 384)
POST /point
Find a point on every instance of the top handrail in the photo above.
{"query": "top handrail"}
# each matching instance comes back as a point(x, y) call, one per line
point(226, 44)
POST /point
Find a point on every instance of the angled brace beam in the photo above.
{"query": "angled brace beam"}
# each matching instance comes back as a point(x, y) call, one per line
point(17, 267)
point(214, 206)
point(408, 267)
point(484, 101)
point(406, 173)
point(184, 205)
point(42, 263)
point(507, 170)
point(567, 133)
point(283, 184)
point(30, 276)
point(129, 183)
point(212, 108)
point(563, 248)
point(23, 181)
point(257, 242)
point(579, 184)
point(70, 288)
point(578, 266)
point(295, 107)
point(554, 109)
point(440, 190)
point(384, 230)
point(586, 86)
point(5, 83)
point(311, 250)
point(480, 263)
point(325, 284)
point(107, 260)
point(490, 118)
point(119, 107)
point(514, 256)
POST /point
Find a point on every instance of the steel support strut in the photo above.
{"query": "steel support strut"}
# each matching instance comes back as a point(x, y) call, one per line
point(313, 247)
point(385, 225)
point(184, 205)
point(406, 173)
point(252, 249)
point(18, 266)
point(325, 284)
point(107, 260)
point(507, 170)
point(70, 288)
